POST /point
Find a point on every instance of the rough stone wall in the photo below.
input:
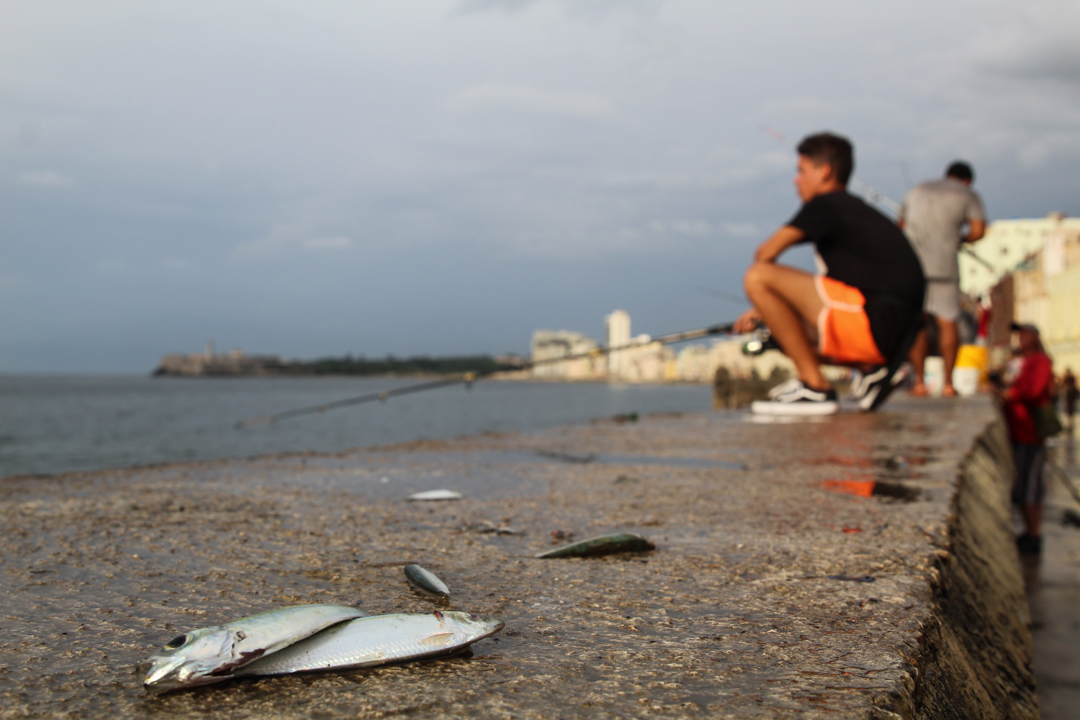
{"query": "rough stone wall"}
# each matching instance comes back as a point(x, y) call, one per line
point(974, 659)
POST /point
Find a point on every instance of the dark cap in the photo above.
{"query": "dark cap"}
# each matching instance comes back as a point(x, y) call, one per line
point(1023, 327)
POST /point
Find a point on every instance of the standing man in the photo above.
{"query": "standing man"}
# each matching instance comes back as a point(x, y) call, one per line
point(933, 216)
point(861, 308)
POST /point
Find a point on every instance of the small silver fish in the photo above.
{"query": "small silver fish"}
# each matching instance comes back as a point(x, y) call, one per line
point(435, 495)
point(210, 655)
point(427, 582)
point(378, 640)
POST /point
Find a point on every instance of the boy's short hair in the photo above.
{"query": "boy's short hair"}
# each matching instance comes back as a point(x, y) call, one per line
point(961, 171)
point(833, 150)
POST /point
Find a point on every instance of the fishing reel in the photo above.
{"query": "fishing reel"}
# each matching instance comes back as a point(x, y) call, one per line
point(761, 339)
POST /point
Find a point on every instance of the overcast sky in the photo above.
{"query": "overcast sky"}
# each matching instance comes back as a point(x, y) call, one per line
point(445, 176)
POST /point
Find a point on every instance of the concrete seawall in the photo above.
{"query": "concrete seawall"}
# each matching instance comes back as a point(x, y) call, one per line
point(858, 566)
point(975, 654)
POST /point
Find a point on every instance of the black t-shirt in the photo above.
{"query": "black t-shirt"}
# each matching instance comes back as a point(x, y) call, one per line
point(864, 249)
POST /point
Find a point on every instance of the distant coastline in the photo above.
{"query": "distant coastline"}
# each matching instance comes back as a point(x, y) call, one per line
point(239, 364)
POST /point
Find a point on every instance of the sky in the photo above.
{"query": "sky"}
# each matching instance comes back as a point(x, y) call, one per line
point(444, 177)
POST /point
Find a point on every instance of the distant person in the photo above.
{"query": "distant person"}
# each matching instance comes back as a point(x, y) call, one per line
point(862, 307)
point(934, 215)
point(1068, 389)
point(1032, 386)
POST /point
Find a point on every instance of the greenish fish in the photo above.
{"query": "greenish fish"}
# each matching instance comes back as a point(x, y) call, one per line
point(377, 640)
point(427, 582)
point(213, 654)
point(602, 545)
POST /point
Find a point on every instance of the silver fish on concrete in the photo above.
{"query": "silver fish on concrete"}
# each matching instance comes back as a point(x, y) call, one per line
point(377, 640)
point(601, 545)
point(213, 654)
point(427, 582)
point(435, 495)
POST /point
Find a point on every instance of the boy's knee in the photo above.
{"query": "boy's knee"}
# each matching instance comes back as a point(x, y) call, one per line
point(756, 277)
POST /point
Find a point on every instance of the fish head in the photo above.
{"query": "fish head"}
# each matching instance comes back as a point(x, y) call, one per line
point(488, 626)
point(473, 626)
point(199, 657)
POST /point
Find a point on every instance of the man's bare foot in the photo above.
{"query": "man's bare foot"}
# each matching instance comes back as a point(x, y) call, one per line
point(919, 390)
point(948, 391)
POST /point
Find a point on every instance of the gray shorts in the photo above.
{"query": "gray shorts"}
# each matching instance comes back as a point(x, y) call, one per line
point(943, 299)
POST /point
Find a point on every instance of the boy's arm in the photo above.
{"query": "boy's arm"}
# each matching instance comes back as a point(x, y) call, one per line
point(767, 252)
point(780, 241)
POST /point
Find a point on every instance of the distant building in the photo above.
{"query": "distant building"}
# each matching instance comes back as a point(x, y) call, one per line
point(647, 362)
point(617, 326)
point(1005, 247)
point(699, 363)
point(695, 363)
point(1045, 291)
point(549, 345)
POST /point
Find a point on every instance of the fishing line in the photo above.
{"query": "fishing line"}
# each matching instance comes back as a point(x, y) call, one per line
point(721, 295)
point(469, 378)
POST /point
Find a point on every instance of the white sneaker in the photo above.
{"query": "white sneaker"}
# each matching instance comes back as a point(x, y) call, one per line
point(863, 382)
point(788, 386)
point(872, 389)
point(794, 398)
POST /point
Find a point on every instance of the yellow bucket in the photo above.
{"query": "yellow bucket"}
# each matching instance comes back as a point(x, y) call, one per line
point(970, 371)
point(972, 356)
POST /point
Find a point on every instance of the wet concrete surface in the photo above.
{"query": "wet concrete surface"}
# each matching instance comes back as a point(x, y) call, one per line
point(751, 605)
point(1053, 582)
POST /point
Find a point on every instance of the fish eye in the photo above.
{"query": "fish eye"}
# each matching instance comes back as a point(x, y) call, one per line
point(176, 642)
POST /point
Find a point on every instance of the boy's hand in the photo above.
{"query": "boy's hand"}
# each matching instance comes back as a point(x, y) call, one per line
point(747, 322)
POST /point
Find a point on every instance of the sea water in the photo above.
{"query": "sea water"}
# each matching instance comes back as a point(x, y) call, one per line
point(53, 424)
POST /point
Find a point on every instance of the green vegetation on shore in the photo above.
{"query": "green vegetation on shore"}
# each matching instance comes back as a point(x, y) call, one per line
point(416, 365)
point(238, 364)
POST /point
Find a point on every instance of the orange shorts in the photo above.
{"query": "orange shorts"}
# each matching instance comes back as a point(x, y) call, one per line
point(843, 328)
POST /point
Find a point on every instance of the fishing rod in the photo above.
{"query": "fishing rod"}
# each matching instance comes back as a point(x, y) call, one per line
point(469, 378)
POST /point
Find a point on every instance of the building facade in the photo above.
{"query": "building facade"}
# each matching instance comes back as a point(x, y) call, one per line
point(1046, 292)
point(550, 345)
point(1006, 246)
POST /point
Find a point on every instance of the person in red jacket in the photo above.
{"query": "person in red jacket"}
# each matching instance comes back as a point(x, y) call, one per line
point(1033, 386)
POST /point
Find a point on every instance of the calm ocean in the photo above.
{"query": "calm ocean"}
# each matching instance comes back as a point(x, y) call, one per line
point(52, 424)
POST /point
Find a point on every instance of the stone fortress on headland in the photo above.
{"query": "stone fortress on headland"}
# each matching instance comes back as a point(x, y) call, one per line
point(235, 362)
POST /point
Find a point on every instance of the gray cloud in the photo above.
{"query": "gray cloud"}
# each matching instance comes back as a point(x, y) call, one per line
point(46, 179)
point(523, 98)
point(594, 9)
